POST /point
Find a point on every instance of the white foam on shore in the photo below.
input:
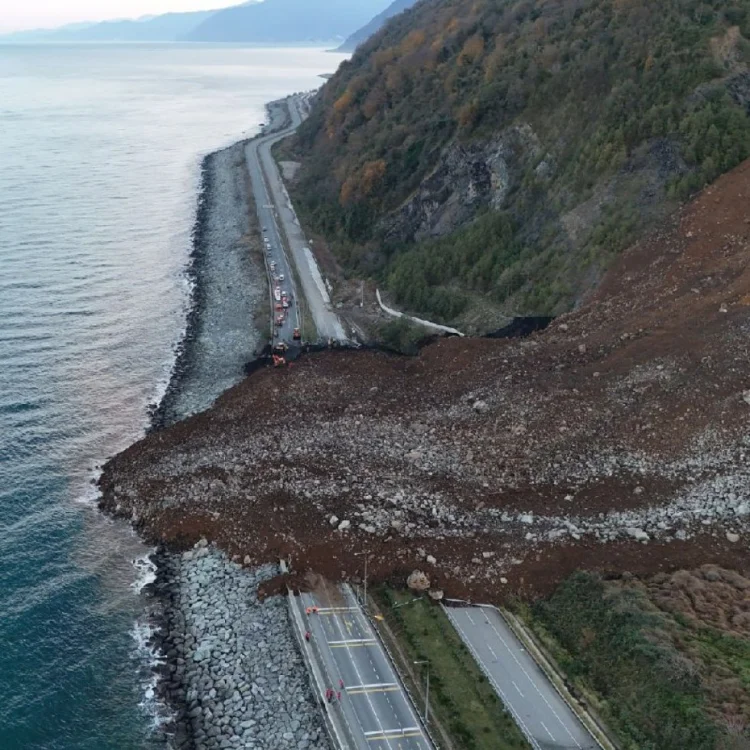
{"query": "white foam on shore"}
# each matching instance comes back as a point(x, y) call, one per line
point(90, 494)
point(145, 571)
point(149, 657)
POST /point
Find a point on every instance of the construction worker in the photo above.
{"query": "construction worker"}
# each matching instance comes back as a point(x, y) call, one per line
point(341, 684)
point(338, 696)
point(307, 636)
point(308, 611)
point(329, 694)
point(315, 610)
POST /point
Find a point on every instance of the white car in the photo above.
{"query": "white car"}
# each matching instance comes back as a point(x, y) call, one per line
point(281, 277)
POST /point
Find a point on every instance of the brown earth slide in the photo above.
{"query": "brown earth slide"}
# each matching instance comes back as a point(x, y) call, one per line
point(615, 440)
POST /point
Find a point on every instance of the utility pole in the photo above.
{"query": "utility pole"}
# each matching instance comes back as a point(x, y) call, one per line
point(427, 693)
point(366, 556)
point(366, 580)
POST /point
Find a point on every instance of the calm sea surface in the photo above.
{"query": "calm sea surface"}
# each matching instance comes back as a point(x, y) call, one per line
point(99, 163)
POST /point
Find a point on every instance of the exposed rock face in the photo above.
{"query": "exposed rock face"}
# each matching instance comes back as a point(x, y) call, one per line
point(618, 437)
point(469, 177)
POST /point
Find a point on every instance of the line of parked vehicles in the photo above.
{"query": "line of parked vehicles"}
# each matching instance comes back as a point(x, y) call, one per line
point(282, 299)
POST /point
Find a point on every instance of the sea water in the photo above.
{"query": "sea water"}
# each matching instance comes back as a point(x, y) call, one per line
point(100, 149)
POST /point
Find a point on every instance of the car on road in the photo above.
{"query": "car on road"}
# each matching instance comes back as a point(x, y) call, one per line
point(277, 294)
point(281, 277)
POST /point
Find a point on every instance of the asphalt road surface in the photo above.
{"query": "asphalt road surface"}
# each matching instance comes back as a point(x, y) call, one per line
point(540, 711)
point(277, 215)
point(270, 230)
point(373, 704)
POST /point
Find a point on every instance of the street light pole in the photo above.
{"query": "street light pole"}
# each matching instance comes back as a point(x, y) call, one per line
point(366, 556)
point(427, 693)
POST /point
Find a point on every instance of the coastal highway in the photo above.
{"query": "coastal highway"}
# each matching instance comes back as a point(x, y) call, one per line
point(276, 213)
point(539, 710)
point(270, 230)
point(374, 706)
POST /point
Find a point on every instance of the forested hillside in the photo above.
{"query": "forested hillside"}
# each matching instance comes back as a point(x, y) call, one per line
point(502, 152)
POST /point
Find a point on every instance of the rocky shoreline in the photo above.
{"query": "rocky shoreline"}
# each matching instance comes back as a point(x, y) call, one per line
point(230, 671)
point(233, 674)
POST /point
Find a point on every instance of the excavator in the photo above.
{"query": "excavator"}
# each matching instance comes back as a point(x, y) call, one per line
point(279, 354)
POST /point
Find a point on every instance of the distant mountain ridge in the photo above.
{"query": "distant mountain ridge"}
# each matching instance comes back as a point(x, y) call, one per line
point(377, 23)
point(256, 21)
point(287, 21)
point(165, 28)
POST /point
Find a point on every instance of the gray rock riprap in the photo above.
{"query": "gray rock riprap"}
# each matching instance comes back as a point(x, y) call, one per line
point(243, 680)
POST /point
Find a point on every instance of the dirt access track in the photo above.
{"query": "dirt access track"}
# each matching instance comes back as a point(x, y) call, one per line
point(616, 440)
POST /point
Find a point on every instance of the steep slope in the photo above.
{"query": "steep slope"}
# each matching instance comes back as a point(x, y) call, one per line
point(500, 154)
point(287, 21)
point(165, 28)
point(617, 439)
point(377, 23)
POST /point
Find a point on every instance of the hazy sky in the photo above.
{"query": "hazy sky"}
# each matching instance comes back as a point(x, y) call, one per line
point(33, 14)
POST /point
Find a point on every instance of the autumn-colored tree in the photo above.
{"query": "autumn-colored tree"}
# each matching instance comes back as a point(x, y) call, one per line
point(372, 174)
point(472, 51)
point(343, 103)
point(412, 42)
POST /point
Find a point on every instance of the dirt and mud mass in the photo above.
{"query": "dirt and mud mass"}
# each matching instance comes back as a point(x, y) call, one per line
point(616, 440)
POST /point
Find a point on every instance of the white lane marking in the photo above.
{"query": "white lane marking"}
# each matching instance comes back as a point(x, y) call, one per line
point(531, 681)
point(405, 702)
point(521, 723)
point(371, 685)
point(494, 655)
point(351, 641)
point(324, 666)
point(359, 676)
point(518, 688)
point(551, 736)
point(470, 620)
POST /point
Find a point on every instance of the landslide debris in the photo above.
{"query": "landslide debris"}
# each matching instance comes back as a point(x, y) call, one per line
point(617, 439)
point(488, 156)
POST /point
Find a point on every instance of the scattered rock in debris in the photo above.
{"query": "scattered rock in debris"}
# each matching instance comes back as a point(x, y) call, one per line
point(418, 581)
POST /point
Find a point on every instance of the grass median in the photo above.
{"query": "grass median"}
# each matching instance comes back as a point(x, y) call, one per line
point(461, 698)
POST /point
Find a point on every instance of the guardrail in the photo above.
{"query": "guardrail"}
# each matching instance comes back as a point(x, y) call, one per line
point(508, 705)
point(398, 674)
point(581, 714)
point(419, 321)
point(588, 721)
